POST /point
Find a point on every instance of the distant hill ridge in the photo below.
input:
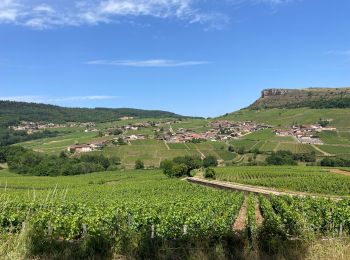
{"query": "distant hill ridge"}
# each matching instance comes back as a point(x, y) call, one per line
point(309, 97)
point(11, 111)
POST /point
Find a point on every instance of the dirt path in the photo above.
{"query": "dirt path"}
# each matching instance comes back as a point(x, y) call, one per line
point(321, 151)
point(199, 151)
point(338, 171)
point(167, 146)
point(240, 224)
point(258, 217)
point(253, 189)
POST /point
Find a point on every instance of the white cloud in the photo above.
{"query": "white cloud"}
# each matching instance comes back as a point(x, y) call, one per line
point(49, 14)
point(44, 8)
point(147, 63)
point(77, 12)
point(22, 98)
point(8, 11)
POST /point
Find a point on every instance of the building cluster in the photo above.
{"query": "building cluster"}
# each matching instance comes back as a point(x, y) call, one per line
point(305, 134)
point(221, 130)
point(86, 148)
point(32, 127)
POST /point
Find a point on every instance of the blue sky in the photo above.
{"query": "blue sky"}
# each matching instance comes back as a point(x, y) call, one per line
point(193, 57)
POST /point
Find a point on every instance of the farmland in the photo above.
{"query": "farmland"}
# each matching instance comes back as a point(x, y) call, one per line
point(294, 178)
point(133, 211)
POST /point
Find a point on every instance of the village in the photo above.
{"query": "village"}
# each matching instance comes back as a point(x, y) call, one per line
point(221, 130)
point(305, 134)
point(32, 127)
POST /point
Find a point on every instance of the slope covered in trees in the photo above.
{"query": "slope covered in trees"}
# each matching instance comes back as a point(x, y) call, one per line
point(11, 112)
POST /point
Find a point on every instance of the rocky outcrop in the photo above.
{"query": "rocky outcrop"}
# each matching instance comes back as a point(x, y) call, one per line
point(274, 92)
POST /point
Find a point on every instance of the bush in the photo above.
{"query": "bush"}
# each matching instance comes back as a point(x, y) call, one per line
point(180, 166)
point(231, 149)
point(139, 165)
point(210, 161)
point(179, 170)
point(192, 162)
point(209, 173)
point(337, 162)
point(167, 166)
point(281, 158)
point(241, 150)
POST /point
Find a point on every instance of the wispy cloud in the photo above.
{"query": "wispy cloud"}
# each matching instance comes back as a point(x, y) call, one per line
point(339, 53)
point(51, 14)
point(45, 99)
point(147, 63)
point(81, 98)
point(46, 14)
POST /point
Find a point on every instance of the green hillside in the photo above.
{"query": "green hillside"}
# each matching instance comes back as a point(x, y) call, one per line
point(340, 118)
point(15, 111)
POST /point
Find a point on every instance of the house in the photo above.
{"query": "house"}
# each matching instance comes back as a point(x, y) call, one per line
point(126, 118)
point(80, 148)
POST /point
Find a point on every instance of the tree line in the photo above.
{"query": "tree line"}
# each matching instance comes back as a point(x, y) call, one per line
point(8, 136)
point(183, 165)
point(24, 161)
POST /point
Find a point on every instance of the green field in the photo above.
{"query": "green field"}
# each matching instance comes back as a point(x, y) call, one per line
point(293, 178)
point(57, 144)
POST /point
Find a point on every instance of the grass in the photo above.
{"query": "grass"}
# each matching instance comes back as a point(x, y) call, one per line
point(286, 117)
point(335, 149)
point(57, 144)
point(334, 137)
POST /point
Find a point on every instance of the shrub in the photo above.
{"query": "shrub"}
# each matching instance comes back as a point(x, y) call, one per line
point(180, 170)
point(139, 165)
point(209, 173)
point(210, 161)
point(281, 158)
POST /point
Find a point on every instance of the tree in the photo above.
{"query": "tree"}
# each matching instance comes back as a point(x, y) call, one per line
point(210, 161)
point(281, 158)
point(167, 166)
point(121, 141)
point(241, 150)
point(117, 131)
point(192, 162)
point(180, 170)
point(231, 149)
point(209, 173)
point(139, 165)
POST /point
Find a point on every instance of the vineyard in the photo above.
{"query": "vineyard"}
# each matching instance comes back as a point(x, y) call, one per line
point(129, 209)
point(303, 179)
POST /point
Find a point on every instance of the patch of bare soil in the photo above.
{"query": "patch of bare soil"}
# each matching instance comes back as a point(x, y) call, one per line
point(258, 217)
point(240, 224)
point(338, 171)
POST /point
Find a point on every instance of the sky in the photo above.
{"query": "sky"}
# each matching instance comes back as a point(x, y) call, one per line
point(193, 57)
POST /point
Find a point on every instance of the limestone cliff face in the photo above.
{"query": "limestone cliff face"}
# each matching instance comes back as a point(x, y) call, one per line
point(274, 92)
point(283, 98)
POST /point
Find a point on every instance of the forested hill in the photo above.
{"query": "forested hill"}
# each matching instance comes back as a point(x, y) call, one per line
point(11, 111)
point(316, 98)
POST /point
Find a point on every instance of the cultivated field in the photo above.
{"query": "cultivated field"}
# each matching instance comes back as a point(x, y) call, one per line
point(132, 212)
point(314, 180)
